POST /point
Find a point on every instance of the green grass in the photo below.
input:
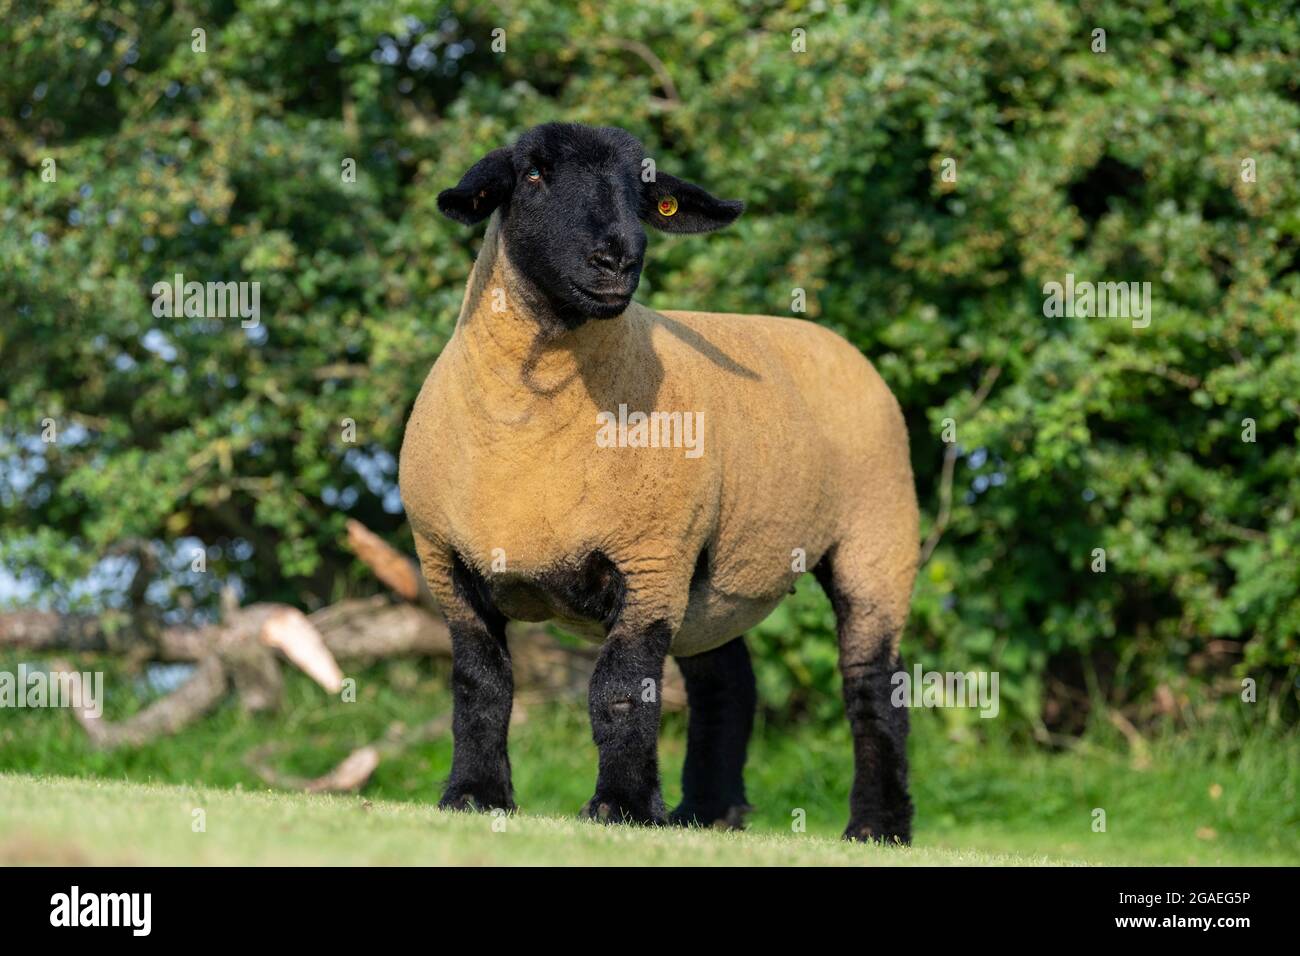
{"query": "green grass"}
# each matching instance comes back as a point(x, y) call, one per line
point(1229, 794)
point(84, 822)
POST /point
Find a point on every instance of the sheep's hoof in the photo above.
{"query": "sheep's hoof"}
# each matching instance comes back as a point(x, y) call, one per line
point(467, 802)
point(728, 818)
point(866, 833)
point(609, 810)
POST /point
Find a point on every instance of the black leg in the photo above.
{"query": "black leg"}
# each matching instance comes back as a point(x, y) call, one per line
point(879, 805)
point(722, 698)
point(482, 693)
point(624, 707)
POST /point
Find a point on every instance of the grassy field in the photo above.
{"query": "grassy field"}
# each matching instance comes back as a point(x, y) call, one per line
point(1226, 795)
point(67, 821)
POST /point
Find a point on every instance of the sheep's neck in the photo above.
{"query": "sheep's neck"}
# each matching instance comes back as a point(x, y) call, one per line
point(514, 357)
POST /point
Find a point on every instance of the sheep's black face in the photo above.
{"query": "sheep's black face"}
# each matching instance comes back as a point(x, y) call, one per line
point(572, 223)
point(573, 200)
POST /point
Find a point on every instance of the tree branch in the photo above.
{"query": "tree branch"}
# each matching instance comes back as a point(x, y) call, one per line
point(949, 467)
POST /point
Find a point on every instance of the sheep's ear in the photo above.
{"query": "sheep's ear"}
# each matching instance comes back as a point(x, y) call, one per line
point(485, 186)
point(674, 205)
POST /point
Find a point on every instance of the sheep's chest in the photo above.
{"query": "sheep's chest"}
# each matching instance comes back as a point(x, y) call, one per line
point(545, 524)
point(517, 517)
point(536, 541)
point(535, 572)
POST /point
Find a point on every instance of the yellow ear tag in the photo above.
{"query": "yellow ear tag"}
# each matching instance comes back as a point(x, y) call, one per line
point(667, 206)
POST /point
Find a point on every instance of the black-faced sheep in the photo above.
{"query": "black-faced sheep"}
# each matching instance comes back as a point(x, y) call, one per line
point(653, 481)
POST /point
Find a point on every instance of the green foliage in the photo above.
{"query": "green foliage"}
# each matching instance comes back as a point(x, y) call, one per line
point(1117, 166)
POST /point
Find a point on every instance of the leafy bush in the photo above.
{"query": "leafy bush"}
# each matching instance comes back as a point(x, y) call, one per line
point(1123, 165)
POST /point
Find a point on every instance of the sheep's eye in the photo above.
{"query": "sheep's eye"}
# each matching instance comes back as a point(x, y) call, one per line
point(534, 174)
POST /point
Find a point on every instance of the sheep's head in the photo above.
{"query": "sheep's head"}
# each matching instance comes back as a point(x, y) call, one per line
point(572, 201)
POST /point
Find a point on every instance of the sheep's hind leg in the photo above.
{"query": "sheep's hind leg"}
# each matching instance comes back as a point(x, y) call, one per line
point(880, 808)
point(721, 696)
point(624, 708)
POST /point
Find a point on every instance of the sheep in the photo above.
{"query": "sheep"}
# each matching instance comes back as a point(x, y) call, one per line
point(520, 512)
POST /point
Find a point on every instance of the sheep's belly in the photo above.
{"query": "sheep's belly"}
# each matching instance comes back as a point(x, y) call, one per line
point(708, 624)
point(712, 619)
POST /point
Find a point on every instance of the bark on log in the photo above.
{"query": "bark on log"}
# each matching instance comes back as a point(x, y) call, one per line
point(362, 629)
point(192, 700)
point(354, 771)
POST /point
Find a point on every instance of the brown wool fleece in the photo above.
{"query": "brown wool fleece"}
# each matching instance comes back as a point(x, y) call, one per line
point(803, 447)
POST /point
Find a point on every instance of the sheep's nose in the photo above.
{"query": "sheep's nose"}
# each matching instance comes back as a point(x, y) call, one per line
point(617, 254)
point(608, 261)
point(611, 260)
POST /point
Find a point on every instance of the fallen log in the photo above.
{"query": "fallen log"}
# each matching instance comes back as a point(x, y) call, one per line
point(206, 687)
point(354, 770)
point(360, 629)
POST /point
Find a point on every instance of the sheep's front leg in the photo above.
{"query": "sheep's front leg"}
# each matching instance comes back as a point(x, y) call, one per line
point(624, 706)
point(482, 693)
